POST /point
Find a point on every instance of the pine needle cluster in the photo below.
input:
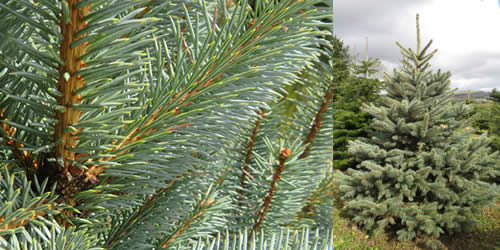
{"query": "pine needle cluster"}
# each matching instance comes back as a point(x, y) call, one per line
point(165, 124)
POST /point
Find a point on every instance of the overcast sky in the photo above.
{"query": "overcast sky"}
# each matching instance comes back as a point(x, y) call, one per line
point(465, 32)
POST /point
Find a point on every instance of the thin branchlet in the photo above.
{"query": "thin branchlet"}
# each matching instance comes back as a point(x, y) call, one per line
point(147, 204)
point(316, 126)
point(24, 157)
point(200, 210)
point(233, 55)
point(248, 154)
point(261, 214)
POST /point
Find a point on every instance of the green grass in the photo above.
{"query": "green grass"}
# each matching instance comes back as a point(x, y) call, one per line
point(484, 235)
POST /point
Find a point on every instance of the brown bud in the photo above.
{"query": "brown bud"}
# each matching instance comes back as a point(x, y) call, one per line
point(251, 23)
point(285, 152)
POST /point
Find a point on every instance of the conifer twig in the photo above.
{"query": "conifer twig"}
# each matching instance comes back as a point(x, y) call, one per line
point(324, 191)
point(316, 126)
point(24, 157)
point(67, 84)
point(148, 203)
point(203, 82)
point(120, 233)
point(248, 154)
point(198, 212)
point(93, 172)
point(16, 223)
point(261, 214)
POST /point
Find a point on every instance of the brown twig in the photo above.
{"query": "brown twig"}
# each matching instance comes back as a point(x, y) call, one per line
point(248, 155)
point(234, 56)
point(134, 216)
point(187, 223)
point(214, 20)
point(261, 214)
point(316, 197)
point(316, 126)
point(93, 172)
point(66, 140)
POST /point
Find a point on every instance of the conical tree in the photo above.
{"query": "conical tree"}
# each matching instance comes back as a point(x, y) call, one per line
point(367, 67)
point(420, 172)
point(351, 91)
point(134, 124)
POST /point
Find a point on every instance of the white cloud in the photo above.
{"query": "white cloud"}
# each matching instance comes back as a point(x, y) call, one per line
point(463, 83)
point(462, 28)
point(465, 32)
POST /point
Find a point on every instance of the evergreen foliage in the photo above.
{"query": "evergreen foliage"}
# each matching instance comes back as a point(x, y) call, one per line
point(495, 96)
point(350, 122)
point(482, 119)
point(303, 239)
point(158, 124)
point(420, 172)
point(494, 119)
point(366, 68)
point(351, 91)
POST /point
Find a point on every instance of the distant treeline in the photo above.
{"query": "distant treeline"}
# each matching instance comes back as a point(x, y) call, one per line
point(472, 94)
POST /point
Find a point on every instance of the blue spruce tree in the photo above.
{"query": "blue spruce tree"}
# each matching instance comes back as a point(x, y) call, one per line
point(420, 171)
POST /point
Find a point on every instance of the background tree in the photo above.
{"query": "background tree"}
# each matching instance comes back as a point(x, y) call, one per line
point(494, 119)
point(480, 112)
point(486, 117)
point(351, 91)
point(420, 172)
point(366, 68)
point(482, 121)
point(135, 124)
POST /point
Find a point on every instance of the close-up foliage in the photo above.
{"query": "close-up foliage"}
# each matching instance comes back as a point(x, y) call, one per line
point(165, 124)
